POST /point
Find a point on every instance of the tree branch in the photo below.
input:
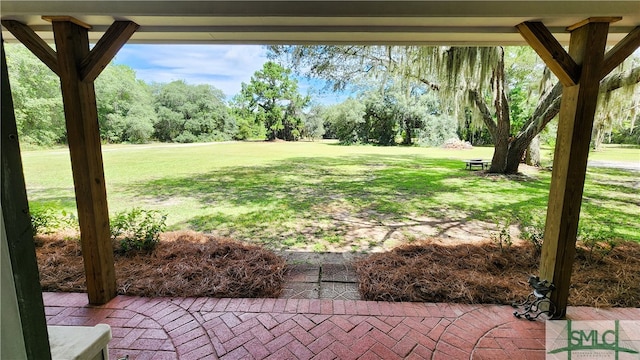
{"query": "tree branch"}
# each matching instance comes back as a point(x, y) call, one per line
point(546, 110)
point(433, 86)
point(487, 118)
point(622, 79)
point(549, 107)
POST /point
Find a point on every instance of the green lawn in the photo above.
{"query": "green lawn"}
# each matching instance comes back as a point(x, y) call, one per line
point(607, 152)
point(321, 196)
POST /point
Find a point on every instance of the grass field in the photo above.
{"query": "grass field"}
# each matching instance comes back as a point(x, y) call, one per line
point(321, 196)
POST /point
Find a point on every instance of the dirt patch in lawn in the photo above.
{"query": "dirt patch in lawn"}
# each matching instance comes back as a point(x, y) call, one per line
point(480, 273)
point(184, 264)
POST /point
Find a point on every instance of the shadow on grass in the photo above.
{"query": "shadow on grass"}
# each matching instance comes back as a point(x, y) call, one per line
point(54, 198)
point(300, 201)
point(325, 197)
point(303, 183)
point(611, 203)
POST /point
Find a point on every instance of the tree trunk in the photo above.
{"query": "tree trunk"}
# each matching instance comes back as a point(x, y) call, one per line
point(514, 155)
point(408, 133)
point(500, 154)
point(599, 132)
point(499, 136)
point(532, 156)
point(502, 136)
point(546, 110)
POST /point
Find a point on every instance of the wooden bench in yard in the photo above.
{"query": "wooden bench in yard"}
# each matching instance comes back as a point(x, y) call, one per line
point(483, 164)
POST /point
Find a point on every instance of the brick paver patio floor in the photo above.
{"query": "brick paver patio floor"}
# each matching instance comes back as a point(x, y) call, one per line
point(209, 328)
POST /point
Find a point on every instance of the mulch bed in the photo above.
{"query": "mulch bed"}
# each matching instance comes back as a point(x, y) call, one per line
point(481, 273)
point(185, 264)
point(189, 264)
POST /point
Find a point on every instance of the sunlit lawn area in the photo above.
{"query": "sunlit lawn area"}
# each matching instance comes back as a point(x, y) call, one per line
point(321, 196)
point(629, 153)
point(607, 152)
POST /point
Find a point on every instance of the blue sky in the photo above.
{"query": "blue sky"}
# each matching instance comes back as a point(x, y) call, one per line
point(223, 66)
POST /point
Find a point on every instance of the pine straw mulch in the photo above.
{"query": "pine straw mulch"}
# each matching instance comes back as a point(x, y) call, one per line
point(189, 264)
point(185, 264)
point(480, 273)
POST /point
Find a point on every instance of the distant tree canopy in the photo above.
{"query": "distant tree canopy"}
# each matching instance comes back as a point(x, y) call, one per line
point(272, 99)
point(314, 123)
point(125, 106)
point(36, 97)
point(490, 87)
point(390, 116)
point(407, 95)
point(132, 111)
point(191, 113)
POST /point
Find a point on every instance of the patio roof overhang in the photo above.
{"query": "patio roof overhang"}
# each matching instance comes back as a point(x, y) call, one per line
point(427, 22)
point(587, 26)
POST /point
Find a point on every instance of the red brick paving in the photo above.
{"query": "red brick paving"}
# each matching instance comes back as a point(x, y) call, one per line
point(208, 328)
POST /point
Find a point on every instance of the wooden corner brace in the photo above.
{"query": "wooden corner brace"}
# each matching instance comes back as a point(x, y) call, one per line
point(94, 62)
point(551, 52)
point(561, 63)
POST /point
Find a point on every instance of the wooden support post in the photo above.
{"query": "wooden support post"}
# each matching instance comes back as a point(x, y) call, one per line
point(587, 50)
point(78, 67)
point(17, 224)
point(79, 98)
point(577, 112)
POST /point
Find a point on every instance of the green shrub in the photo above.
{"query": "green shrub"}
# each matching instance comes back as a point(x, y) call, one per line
point(47, 219)
point(597, 240)
point(42, 219)
point(503, 236)
point(186, 137)
point(533, 232)
point(138, 229)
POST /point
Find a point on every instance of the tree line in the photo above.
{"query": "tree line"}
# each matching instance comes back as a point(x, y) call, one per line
point(269, 107)
point(506, 91)
point(401, 95)
point(129, 110)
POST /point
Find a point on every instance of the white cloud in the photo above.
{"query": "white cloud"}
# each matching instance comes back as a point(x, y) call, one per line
point(223, 66)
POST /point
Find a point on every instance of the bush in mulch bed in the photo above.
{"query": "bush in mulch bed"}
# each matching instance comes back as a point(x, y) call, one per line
point(185, 264)
point(481, 273)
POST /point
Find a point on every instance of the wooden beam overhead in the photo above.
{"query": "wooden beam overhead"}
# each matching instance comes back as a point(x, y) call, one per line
point(34, 43)
point(71, 19)
point(551, 52)
point(382, 22)
point(601, 19)
point(106, 48)
point(621, 51)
